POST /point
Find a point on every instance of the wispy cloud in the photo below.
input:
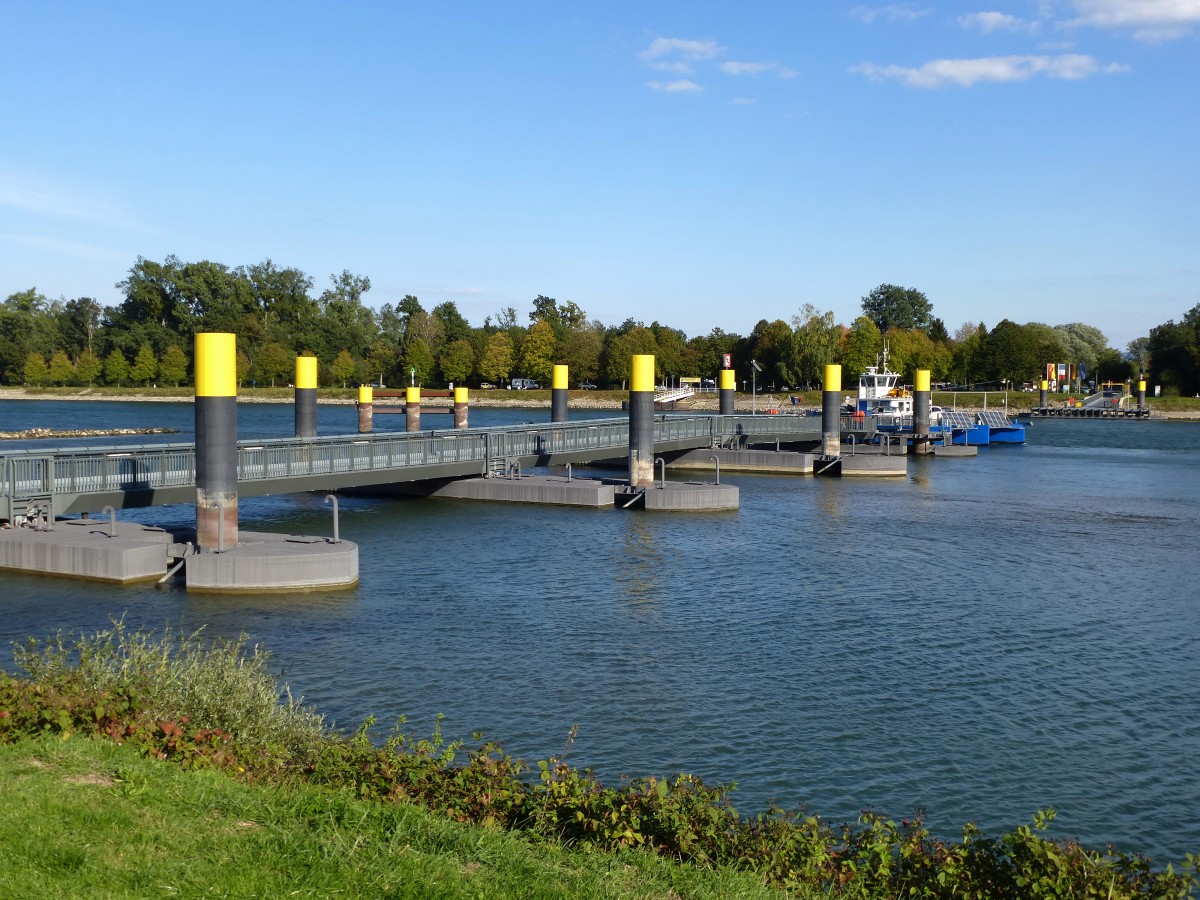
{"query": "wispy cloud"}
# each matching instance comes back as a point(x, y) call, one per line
point(966, 72)
point(685, 57)
point(1148, 20)
point(987, 22)
point(34, 195)
point(679, 86)
point(65, 248)
point(732, 67)
point(896, 12)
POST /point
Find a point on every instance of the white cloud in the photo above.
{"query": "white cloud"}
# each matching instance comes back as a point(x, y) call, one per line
point(987, 22)
point(680, 86)
point(896, 12)
point(1149, 20)
point(678, 54)
point(966, 72)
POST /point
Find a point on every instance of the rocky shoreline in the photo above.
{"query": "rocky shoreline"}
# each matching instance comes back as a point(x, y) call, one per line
point(32, 434)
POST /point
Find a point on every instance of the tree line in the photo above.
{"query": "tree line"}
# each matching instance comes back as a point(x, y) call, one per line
point(147, 338)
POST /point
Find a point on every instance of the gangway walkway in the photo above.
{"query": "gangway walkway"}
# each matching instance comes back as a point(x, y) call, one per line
point(87, 479)
point(672, 395)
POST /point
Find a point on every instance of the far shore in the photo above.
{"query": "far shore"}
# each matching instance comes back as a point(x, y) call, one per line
point(500, 399)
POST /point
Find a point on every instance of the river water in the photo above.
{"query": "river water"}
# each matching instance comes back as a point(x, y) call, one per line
point(981, 639)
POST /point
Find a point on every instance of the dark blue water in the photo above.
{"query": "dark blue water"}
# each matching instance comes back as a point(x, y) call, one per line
point(981, 639)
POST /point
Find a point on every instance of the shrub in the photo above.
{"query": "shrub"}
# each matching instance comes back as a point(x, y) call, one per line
point(221, 684)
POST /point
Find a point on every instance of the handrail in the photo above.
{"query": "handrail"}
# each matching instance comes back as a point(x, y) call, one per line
point(44, 472)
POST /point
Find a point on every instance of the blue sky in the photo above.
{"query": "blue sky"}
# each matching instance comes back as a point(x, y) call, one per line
point(697, 163)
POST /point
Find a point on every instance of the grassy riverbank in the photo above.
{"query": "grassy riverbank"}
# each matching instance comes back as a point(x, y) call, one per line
point(85, 817)
point(139, 765)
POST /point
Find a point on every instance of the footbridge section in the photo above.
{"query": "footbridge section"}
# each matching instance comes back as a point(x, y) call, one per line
point(86, 480)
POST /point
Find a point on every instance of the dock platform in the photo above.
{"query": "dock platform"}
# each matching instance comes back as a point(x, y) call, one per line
point(129, 553)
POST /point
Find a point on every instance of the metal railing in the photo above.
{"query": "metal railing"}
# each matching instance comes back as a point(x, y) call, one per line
point(100, 470)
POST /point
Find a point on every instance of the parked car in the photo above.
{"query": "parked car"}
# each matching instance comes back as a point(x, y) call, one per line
point(586, 386)
point(524, 384)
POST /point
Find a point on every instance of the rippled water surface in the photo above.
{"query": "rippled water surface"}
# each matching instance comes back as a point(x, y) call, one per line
point(981, 639)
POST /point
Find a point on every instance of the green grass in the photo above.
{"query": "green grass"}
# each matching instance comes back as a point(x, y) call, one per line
point(88, 818)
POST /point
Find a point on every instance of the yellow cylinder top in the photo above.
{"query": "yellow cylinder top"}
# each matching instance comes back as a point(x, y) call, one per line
point(460, 395)
point(833, 378)
point(306, 372)
point(558, 379)
point(366, 395)
point(412, 395)
point(216, 364)
point(727, 380)
point(1142, 386)
point(641, 372)
point(921, 383)
point(1045, 384)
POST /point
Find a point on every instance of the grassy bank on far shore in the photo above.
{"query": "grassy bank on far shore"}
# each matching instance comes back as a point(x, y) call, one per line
point(1013, 401)
point(140, 765)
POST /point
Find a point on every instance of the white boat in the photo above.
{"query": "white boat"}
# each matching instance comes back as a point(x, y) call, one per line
point(881, 395)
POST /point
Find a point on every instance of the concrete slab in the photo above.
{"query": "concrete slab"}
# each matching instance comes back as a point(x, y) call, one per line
point(83, 548)
point(954, 450)
point(681, 496)
point(779, 462)
point(879, 466)
point(273, 563)
point(549, 490)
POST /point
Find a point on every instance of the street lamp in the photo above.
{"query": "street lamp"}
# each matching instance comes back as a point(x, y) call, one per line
point(754, 387)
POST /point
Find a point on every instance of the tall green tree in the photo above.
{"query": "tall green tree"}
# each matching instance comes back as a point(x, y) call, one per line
point(155, 310)
point(418, 359)
point(817, 343)
point(88, 368)
point(580, 350)
point(59, 370)
point(144, 367)
point(79, 324)
point(273, 362)
point(496, 364)
point(116, 367)
point(343, 367)
point(1083, 344)
point(536, 357)
point(620, 349)
point(454, 326)
point(348, 324)
point(861, 347)
point(172, 368)
point(27, 325)
point(457, 361)
point(36, 370)
point(1174, 351)
point(892, 306)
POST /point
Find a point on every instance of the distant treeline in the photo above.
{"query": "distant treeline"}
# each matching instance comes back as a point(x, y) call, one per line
point(148, 338)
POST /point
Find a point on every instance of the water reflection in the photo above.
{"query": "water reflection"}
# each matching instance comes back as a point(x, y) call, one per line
point(641, 562)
